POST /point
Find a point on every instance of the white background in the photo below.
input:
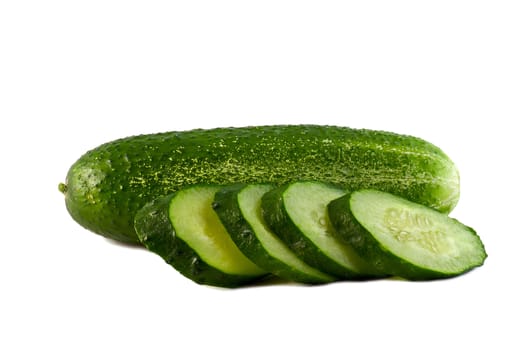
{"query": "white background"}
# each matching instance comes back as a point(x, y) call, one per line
point(76, 74)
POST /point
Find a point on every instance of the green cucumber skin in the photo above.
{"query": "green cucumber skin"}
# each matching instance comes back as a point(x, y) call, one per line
point(227, 208)
point(156, 233)
point(106, 187)
point(350, 231)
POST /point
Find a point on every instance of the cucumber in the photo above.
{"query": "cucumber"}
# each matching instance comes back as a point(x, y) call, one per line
point(106, 187)
point(298, 214)
point(403, 238)
point(239, 208)
point(184, 230)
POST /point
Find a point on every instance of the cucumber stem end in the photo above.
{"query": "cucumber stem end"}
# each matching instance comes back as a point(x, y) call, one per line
point(62, 187)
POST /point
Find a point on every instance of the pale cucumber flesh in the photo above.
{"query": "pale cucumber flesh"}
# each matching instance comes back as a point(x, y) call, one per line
point(306, 204)
point(197, 224)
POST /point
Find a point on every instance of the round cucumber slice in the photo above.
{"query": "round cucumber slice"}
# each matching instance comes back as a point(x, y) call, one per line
point(403, 238)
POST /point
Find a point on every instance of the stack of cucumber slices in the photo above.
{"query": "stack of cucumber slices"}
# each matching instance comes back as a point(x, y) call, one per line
point(306, 231)
point(306, 203)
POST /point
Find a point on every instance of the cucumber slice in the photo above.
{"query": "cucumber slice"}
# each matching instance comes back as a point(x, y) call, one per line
point(239, 208)
point(186, 232)
point(297, 213)
point(403, 238)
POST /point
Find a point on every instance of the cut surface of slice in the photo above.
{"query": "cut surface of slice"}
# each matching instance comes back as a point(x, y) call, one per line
point(239, 208)
point(298, 214)
point(404, 238)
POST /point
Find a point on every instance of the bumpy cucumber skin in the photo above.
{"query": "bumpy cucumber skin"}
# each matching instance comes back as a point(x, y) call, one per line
point(227, 208)
point(350, 231)
point(107, 186)
point(156, 233)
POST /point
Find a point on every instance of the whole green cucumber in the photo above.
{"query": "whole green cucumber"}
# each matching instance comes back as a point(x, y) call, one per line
point(109, 184)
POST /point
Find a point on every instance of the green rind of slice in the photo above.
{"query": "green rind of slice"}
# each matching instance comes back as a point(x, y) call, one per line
point(184, 230)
